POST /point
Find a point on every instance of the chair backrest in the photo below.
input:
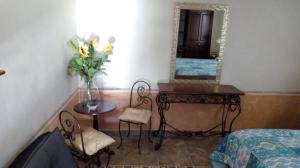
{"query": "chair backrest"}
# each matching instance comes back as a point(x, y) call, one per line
point(70, 127)
point(143, 90)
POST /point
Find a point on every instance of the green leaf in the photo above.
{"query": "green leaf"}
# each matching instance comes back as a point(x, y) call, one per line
point(73, 44)
point(91, 51)
point(91, 72)
point(97, 54)
point(79, 61)
point(75, 68)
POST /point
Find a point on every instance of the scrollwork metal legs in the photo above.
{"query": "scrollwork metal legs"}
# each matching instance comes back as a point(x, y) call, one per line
point(140, 136)
point(235, 105)
point(224, 118)
point(149, 131)
point(163, 105)
point(120, 134)
point(231, 103)
point(128, 133)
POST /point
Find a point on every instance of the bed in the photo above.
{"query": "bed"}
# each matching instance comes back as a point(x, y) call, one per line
point(196, 67)
point(260, 148)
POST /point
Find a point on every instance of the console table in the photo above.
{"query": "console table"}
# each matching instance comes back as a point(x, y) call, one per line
point(227, 95)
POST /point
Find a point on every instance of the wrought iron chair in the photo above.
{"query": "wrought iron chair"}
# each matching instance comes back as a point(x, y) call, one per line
point(86, 144)
point(138, 113)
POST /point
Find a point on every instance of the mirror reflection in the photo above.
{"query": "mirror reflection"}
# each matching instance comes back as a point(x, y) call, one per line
point(198, 45)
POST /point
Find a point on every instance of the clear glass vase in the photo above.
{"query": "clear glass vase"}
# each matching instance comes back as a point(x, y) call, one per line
point(90, 95)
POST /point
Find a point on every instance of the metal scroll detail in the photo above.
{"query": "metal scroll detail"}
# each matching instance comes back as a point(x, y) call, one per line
point(234, 104)
point(143, 90)
point(203, 99)
point(70, 127)
point(163, 103)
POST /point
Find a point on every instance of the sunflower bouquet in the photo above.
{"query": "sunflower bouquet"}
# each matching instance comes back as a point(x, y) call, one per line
point(88, 58)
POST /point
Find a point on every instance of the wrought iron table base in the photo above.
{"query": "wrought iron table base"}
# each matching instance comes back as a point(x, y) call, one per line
point(231, 103)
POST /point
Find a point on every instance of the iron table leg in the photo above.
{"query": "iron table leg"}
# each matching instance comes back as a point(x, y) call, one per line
point(163, 105)
point(161, 131)
point(95, 122)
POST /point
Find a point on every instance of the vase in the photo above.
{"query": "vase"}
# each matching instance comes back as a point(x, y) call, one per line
point(90, 95)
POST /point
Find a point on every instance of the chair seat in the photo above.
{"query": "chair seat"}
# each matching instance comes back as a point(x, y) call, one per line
point(93, 141)
point(136, 115)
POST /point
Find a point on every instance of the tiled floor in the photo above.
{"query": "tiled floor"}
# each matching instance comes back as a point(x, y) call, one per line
point(175, 152)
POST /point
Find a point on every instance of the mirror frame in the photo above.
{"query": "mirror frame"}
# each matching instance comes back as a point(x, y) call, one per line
point(176, 20)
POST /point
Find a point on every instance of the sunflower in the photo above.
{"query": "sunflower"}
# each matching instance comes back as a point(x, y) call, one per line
point(83, 50)
point(108, 48)
point(94, 43)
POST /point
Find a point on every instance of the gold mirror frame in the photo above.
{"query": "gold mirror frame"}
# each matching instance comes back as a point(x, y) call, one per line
point(176, 19)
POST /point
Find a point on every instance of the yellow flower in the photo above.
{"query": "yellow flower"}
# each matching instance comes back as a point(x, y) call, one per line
point(94, 43)
point(83, 50)
point(108, 48)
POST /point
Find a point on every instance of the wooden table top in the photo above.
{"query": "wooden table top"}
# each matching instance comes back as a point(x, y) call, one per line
point(211, 89)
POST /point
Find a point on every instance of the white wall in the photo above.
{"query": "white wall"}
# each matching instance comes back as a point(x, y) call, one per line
point(33, 37)
point(262, 51)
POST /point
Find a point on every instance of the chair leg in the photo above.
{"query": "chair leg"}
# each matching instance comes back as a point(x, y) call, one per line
point(128, 132)
point(120, 135)
point(140, 138)
point(98, 160)
point(109, 153)
point(87, 164)
point(149, 132)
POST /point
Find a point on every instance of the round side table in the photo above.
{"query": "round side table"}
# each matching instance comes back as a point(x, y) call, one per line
point(103, 107)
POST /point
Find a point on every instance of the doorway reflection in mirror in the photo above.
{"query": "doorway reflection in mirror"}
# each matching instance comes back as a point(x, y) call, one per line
point(198, 44)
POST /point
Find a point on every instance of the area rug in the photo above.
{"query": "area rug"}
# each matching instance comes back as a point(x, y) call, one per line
point(154, 166)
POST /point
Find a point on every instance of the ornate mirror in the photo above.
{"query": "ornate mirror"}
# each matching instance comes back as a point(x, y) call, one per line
point(199, 33)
